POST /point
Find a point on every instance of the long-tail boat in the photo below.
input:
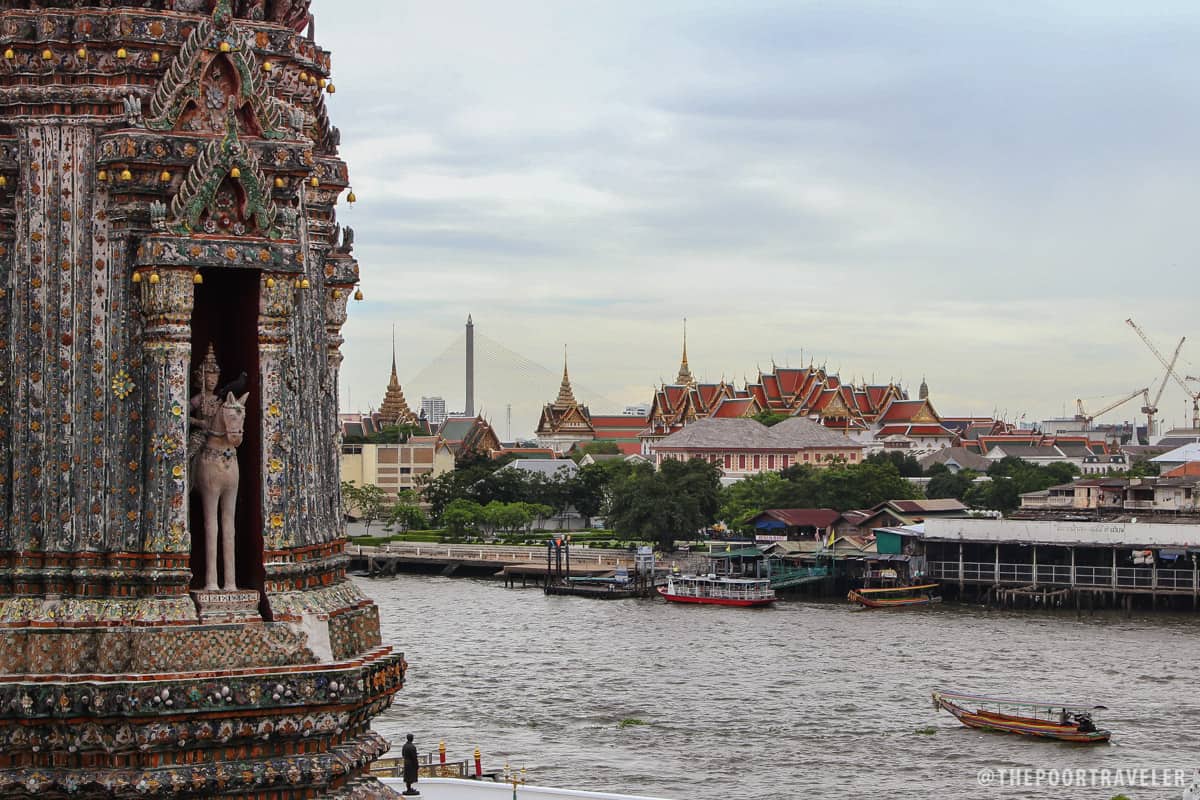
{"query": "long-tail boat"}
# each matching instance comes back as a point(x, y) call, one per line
point(895, 597)
point(1066, 722)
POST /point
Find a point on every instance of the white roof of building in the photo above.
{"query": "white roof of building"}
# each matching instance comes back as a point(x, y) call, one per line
point(1180, 455)
point(1104, 534)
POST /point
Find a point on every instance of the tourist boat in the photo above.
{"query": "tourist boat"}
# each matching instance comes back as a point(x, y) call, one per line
point(718, 590)
point(896, 597)
point(1066, 722)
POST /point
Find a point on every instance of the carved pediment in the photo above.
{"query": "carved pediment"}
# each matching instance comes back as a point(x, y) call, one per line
point(835, 408)
point(225, 190)
point(193, 93)
point(926, 415)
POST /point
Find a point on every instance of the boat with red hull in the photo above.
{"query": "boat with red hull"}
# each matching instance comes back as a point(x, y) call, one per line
point(1064, 722)
point(718, 590)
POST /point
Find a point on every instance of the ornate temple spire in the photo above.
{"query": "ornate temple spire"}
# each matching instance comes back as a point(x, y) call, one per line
point(924, 391)
point(685, 377)
point(394, 410)
point(566, 397)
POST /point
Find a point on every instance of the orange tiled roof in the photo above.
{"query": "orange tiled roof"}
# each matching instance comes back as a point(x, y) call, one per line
point(902, 410)
point(1188, 470)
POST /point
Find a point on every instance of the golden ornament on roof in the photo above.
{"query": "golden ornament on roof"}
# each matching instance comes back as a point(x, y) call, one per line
point(164, 176)
point(47, 55)
point(122, 53)
point(331, 89)
point(358, 295)
point(137, 277)
point(350, 198)
point(197, 278)
point(235, 173)
point(81, 52)
point(155, 57)
point(304, 284)
point(9, 54)
point(314, 182)
point(279, 183)
point(126, 175)
point(224, 47)
point(154, 277)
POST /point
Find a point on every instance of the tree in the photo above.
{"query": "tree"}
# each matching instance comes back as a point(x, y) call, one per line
point(586, 490)
point(368, 502)
point(1143, 468)
point(768, 417)
point(676, 501)
point(461, 516)
point(508, 517)
point(753, 495)
point(406, 513)
point(905, 464)
point(948, 484)
point(602, 447)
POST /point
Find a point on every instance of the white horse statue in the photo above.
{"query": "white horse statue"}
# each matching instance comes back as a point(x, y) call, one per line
point(215, 477)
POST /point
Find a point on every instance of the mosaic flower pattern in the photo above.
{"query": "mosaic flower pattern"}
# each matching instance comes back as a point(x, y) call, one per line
point(122, 385)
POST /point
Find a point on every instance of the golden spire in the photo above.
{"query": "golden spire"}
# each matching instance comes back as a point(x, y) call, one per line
point(566, 398)
point(685, 377)
point(394, 410)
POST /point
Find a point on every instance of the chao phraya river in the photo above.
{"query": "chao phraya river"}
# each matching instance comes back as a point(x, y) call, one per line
point(801, 700)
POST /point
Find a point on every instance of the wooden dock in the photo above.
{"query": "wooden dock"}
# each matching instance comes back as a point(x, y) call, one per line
point(509, 562)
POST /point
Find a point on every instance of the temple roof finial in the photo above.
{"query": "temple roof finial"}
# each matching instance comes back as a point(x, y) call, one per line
point(685, 377)
point(566, 397)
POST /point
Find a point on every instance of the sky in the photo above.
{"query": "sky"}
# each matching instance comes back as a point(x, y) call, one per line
point(978, 194)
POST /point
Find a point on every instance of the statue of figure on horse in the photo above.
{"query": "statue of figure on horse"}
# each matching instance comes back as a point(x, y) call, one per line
point(217, 424)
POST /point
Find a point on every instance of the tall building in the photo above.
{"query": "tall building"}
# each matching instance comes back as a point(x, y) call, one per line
point(470, 382)
point(168, 182)
point(434, 409)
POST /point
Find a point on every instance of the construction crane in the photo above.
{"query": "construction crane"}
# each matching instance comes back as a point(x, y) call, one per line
point(1087, 418)
point(1170, 365)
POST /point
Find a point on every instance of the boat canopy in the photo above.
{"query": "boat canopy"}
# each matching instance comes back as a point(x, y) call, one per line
point(745, 552)
point(1011, 701)
point(899, 589)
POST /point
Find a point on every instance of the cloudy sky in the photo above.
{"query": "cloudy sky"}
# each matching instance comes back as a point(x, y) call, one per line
point(977, 193)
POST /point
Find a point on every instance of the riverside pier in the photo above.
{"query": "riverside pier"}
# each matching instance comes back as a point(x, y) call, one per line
point(1058, 562)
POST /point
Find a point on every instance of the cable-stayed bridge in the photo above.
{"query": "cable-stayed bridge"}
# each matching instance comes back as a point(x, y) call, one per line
point(503, 378)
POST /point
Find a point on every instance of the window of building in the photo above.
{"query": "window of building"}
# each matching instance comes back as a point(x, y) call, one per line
point(806, 456)
point(728, 461)
point(756, 463)
point(771, 462)
point(787, 461)
point(741, 462)
point(854, 456)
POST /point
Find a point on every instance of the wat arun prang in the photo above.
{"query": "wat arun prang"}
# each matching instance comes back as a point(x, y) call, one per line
point(173, 283)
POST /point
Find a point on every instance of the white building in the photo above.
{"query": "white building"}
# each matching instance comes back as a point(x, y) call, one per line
point(434, 409)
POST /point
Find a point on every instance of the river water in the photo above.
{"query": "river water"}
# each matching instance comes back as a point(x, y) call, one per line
point(804, 699)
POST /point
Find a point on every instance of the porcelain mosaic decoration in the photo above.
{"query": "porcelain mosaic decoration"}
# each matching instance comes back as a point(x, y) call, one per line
point(168, 183)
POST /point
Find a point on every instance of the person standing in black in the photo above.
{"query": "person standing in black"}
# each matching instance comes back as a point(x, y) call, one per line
point(409, 752)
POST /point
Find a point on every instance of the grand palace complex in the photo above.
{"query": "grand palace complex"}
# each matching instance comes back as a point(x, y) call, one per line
point(825, 420)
